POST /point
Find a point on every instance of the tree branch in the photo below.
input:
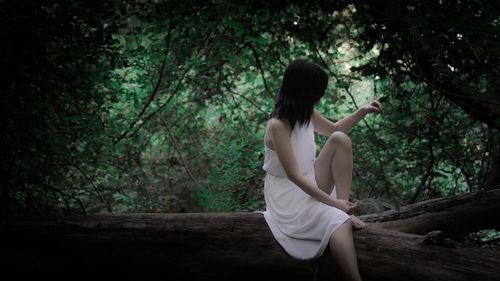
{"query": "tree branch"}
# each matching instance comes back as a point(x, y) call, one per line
point(85, 174)
point(259, 66)
point(178, 149)
point(372, 131)
point(52, 188)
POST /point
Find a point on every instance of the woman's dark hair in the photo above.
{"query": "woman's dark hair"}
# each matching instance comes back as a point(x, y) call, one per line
point(304, 84)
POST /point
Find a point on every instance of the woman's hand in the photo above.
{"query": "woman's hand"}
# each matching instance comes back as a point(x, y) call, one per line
point(373, 107)
point(346, 206)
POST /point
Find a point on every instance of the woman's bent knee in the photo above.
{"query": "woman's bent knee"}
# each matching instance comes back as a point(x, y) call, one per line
point(340, 138)
point(344, 229)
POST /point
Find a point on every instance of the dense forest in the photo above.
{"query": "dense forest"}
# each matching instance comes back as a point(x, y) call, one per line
point(160, 106)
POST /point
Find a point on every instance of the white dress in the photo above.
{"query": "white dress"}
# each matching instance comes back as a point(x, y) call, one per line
point(301, 224)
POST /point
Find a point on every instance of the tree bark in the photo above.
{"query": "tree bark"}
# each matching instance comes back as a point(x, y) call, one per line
point(455, 214)
point(493, 180)
point(240, 246)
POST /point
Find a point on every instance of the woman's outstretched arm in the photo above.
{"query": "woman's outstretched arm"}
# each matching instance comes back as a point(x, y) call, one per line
point(326, 127)
point(280, 132)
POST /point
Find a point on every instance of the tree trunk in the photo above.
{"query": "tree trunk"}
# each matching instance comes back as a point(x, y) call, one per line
point(493, 180)
point(455, 214)
point(239, 246)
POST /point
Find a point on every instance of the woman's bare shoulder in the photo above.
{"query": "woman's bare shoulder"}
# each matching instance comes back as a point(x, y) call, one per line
point(276, 128)
point(275, 125)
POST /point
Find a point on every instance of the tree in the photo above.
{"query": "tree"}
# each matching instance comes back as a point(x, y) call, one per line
point(53, 110)
point(162, 105)
point(229, 246)
point(450, 46)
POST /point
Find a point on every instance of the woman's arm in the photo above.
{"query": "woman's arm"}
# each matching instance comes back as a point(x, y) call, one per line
point(280, 132)
point(326, 127)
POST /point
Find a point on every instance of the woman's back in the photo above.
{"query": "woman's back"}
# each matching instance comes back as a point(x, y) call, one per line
point(304, 149)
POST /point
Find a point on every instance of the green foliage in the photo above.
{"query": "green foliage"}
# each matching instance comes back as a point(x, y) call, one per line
point(52, 109)
point(235, 167)
point(486, 238)
point(161, 106)
point(421, 143)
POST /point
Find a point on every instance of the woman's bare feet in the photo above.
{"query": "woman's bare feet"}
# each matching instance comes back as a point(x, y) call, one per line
point(357, 223)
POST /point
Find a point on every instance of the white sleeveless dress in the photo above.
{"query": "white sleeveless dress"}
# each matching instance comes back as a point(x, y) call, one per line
point(301, 224)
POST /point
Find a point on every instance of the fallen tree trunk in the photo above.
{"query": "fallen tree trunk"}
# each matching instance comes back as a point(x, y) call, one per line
point(221, 246)
point(454, 214)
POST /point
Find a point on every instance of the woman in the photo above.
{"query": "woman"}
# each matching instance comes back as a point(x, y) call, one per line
point(307, 205)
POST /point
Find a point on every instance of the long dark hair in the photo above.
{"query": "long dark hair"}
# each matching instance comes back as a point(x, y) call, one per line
point(303, 85)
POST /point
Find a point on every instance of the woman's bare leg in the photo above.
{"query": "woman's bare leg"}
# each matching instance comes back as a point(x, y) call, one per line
point(334, 165)
point(343, 251)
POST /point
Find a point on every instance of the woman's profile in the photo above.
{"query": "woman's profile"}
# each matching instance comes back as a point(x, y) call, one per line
point(307, 196)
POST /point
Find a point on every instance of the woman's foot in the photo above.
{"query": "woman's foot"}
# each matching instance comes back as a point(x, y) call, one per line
point(357, 223)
